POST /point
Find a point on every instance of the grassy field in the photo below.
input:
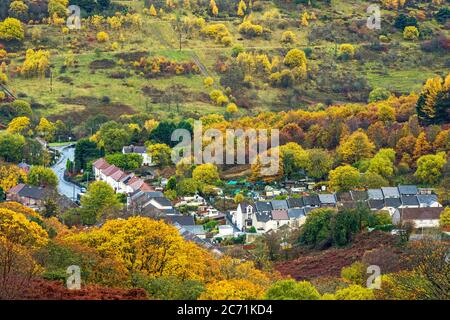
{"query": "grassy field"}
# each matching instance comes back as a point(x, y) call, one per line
point(83, 91)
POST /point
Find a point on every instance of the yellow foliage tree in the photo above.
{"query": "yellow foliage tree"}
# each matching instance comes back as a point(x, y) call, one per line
point(232, 290)
point(10, 176)
point(20, 125)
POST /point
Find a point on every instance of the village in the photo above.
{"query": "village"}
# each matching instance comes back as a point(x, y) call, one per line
point(268, 208)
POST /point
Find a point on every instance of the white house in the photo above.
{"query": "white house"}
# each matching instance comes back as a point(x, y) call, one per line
point(421, 217)
point(140, 150)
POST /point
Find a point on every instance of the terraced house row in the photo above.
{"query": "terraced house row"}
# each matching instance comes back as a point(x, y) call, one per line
point(405, 202)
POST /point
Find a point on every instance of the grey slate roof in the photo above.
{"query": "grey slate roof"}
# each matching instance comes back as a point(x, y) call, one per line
point(32, 192)
point(344, 196)
point(182, 220)
point(407, 189)
point(263, 206)
point(359, 195)
point(410, 201)
point(279, 204)
point(295, 202)
point(163, 201)
point(263, 216)
point(295, 213)
point(312, 200)
point(376, 204)
point(375, 194)
point(392, 202)
point(427, 199)
point(197, 229)
point(135, 149)
point(390, 192)
point(327, 198)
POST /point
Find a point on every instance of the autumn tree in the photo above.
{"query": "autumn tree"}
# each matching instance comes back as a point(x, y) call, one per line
point(36, 63)
point(12, 147)
point(234, 289)
point(19, 237)
point(20, 125)
point(10, 176)
point(294, 158)
point(18, 9)
point(356, 147)
point(319, 163)
point(354, 292)
point(434, 100)
point(383, 163)
point(149, 247)
point(11, 29)
point(422, 146)
point(46, 129)
point(206, 174)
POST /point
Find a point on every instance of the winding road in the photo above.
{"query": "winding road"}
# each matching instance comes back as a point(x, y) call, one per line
point(66, 188)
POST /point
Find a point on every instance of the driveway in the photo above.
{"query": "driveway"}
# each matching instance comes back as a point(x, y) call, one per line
point(66, 188)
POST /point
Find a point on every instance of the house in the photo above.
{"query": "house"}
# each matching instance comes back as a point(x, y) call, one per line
point(196, 230)
point(25, 167)
point(297, 217)
point(180, 219)
point(408, 190)
point(359, 195)
point(390, 192)
point(27, 195)
point(279, 204)
point(243, 215)
point(261, 220)
point(409, 201)
point(225, 231)
point(140, 150)
point(375, 194)
point(295, 203)
point(311, 201)
point(428, 201)
point(280, 218)
point(422, 217)
point(119, 180)
point(327, 200)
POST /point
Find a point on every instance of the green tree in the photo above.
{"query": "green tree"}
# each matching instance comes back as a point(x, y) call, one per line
point(344, 178)
point(354, 292)
point(317, 230)
point(383, 163)
point(128, 162)
point(85, 151)
point(42, 177)
point(319, 163)
point(12, 147)
point(292, 290)
point(161, 154)
point(429, 168)
point(206, 174)
point(98, 202)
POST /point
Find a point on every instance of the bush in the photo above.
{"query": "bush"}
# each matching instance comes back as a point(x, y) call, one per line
point(379, 94)
point(410, 33)
point(288, 37)
point(102, 36)
point(292, 290)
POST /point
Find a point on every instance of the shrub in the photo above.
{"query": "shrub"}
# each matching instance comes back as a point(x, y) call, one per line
point(410, 33)
point(346, 51)
point(288, 37)
point(102, 36)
